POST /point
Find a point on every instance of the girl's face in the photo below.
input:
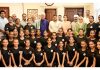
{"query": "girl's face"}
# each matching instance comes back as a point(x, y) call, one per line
point(15, 32)
point(81, 32)
point(39, 46)
point(27, 43)
point(45, 33)
point(27, 32)
point(21, 33)
point(32, 33)
point(38, 32)
point(71, 40)
point(61, 44)
point(11, 35)
point(83, 44)
point(91, 45)
point(5, 43)
point(16, 43)
point(60, 31)
point(18, 21)
point(54, 36)
point(92, 33)
point(80, 20)
point(98, 45)
point(49, 41)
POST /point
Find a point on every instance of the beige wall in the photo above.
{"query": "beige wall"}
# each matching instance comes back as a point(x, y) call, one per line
point(17, 8)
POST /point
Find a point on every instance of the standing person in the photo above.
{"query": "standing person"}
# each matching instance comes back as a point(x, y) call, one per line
point(18, 24)
point(39, 56)
point(91, 26)
point(80, 25)
point(91, 54)
point(14, 17)
point(16, 52)
point(98, 55)
point(29, 25)
point(21, 39)
point(49, 53)
point(86, 18)
point(3, 22)
point(71, 52)
point(6, 55)
point(27, 55)
point(43, 24)
point(66, 24)
point(61, 52)
point(24, 19)
point(81, 60)
point(74, 23)
point(54, 25)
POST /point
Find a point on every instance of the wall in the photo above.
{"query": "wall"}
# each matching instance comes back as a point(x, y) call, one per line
point(19, 8)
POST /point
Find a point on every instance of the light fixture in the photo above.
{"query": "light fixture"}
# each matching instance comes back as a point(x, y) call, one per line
point(49, 4)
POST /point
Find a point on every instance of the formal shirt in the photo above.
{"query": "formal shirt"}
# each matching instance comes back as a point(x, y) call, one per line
point(54, 26)
point(36, 23)
point(3, 22)
point(86, 20)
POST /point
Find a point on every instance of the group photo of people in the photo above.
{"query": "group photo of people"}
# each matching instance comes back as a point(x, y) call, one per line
point(38, 42)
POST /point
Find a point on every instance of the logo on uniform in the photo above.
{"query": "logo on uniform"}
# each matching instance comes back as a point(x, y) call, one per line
point(62, 39)
point(73, 49)
point(51, 50)
point(30, 52)
point(41, 54)
point(91, 26)
point(31, 27)
point(34, 41)
point(55, 44)
point(84, 54)
point(63, 53)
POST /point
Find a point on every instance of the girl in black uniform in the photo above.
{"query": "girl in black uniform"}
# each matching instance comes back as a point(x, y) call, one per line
point(16, 53)
point(60, 36)
point(33, 39)
point(91, 54)
point(6, 56)
point(39, 38)
point(98, 55)
point(71, 51)
point(39, 56)
point(45, 37)
point(61, 55)
point(18, 25)
point(98, 37)
point(81, 60)
point(80, 37)
point(10, 39)
point(21, 39)
point(54, 40)
point(49, 53)
point(27, 55)
point(29, 25)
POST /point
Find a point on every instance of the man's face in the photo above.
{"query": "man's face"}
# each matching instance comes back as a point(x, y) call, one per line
point(42, 16)
point(2, 14)
point(75, 19)
point(24, 16)
point(55, 18)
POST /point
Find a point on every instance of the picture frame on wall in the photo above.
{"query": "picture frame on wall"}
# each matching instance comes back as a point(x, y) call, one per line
point(32, 12)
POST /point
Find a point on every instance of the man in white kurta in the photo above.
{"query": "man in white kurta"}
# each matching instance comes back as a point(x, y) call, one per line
point(54, 25)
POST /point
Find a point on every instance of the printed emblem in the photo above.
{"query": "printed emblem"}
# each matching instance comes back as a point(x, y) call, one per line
point(30, 52)
point(55, 44)
point(84, 54)
point(41, 54)
point(51, 50)
point(73, 49)
point(62, 39)
point(34, 41)
point(91, 26)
